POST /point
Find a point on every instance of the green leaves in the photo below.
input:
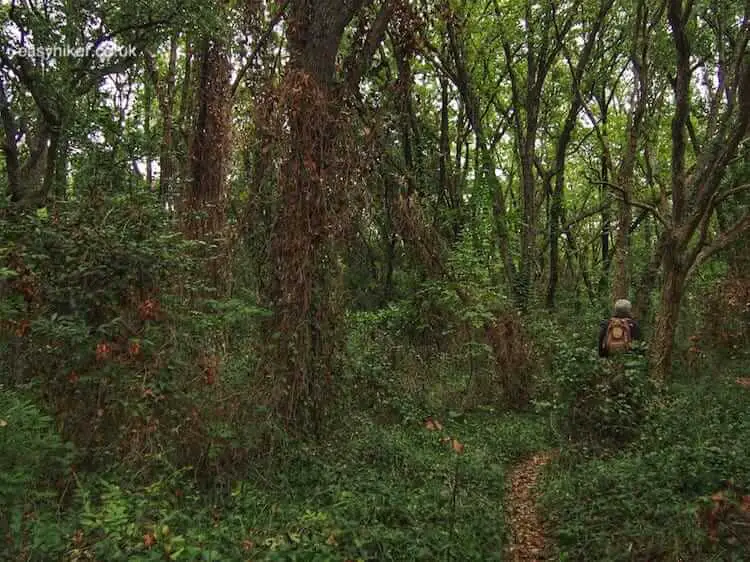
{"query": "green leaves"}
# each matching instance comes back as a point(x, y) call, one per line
point(32, 459)
point(647, 499)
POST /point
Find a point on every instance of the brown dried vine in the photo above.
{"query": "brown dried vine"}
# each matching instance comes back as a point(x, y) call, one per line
point(318, 167)
point(204, 202)
point(210, 146)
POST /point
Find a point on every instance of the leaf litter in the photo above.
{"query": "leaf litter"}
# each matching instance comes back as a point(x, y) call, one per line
point(527, 542)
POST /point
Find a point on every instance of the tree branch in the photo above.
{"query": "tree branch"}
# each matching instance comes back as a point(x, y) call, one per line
point(628, 201)
point(10, 146)
point(360, 62)
point(258, 46)
point(723, 241)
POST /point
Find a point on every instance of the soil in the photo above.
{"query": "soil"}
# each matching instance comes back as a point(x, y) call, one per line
point(527, 542)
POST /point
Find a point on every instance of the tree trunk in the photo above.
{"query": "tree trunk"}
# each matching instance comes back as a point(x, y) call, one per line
point(667, 317)
point(210, 146)
point(10, 148)
point(313, 214)
point(625, 174)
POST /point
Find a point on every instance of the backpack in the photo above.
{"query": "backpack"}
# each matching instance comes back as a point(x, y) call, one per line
point(618, 335)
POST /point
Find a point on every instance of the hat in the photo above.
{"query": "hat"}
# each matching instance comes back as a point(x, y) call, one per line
point(623, 307)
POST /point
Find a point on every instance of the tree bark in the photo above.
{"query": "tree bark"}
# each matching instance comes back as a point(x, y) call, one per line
point(667, 315)
point(625, 173)
point(210, 145)
point(313, 214)
point(10, 148)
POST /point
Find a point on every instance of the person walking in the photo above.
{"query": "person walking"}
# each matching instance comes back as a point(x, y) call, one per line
point(617, 334)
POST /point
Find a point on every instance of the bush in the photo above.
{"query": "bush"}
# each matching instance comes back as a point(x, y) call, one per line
point(111, 322)
point(35, 466)
point(679, 492)
point(598, 403)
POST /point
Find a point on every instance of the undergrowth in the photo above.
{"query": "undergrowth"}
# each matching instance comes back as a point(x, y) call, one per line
point(678, 492)
point(399, 492)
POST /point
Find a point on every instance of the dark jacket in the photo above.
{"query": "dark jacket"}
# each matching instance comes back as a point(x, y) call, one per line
point(635, 334)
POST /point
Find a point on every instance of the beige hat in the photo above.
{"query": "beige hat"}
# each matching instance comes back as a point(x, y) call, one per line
point(623, 307)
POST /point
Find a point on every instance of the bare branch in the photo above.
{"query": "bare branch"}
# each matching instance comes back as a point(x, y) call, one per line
point(723, 241)
point(624, 197)
point(258, 46)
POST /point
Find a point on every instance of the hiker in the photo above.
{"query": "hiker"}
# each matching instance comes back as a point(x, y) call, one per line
point(617, 333)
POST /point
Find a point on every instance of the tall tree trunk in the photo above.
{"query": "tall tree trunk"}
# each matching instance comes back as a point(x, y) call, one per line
point(210, 146)
point(147, 101)
point(165, 95)
point(313, 212)
point(389, 241)
point(625, 173)
point(10, 148)
point(605, 166)
point(668, 313)
point(484, 159)
point(695, 196)
point(543, 41)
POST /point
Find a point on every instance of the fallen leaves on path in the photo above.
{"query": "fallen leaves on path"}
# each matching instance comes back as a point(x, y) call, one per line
point(526, 531)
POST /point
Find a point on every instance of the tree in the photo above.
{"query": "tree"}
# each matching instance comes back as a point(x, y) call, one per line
point(313, 191)
point(687, 240)
point(557, 206)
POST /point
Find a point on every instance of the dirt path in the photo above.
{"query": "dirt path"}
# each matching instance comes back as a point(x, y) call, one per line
point(527, 542)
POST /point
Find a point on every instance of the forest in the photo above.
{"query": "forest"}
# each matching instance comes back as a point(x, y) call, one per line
point(322, 280)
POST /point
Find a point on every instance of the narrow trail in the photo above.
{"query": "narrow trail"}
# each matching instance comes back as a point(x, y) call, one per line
point(527, 542)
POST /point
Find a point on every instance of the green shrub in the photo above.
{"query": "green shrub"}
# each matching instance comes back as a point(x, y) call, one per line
point(35, 467)
point(598, 402)
point(654, 499)
point(110, 321)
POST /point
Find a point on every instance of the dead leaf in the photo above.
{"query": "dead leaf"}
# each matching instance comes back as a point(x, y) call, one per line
point(432, 425)
point(331, 540)
point(149, 540)
point(458, 446)
point(78, 537)
point(526, 528)
point(3, 423)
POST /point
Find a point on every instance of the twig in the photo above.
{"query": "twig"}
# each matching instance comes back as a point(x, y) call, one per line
point(258, 46)
point(628, 201)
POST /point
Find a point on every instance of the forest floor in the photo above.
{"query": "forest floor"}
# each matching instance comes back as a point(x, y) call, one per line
point(527, 542)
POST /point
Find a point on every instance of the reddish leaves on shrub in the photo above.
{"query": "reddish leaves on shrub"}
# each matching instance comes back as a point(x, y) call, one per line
point(210, 366)
point(432, 425)
point(149, 309)
point(149, 540)
point(727, 508)
point(103, 351)
point(23, 328)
